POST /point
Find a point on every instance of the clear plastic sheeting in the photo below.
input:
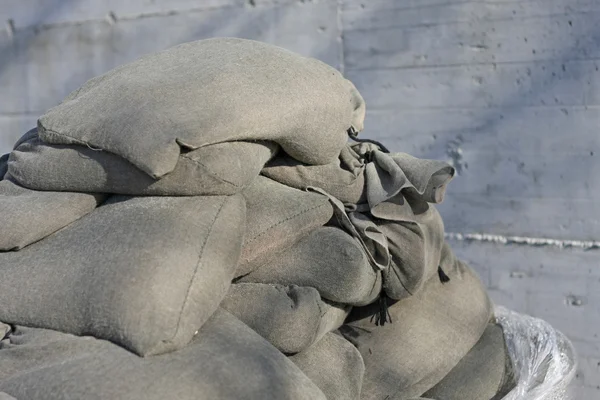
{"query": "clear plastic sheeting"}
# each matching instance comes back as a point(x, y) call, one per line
point(544, 360)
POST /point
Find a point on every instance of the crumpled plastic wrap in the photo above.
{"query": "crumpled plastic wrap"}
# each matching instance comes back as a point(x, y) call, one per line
point(544, 360)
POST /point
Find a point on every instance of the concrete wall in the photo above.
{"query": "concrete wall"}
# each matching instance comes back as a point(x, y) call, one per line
point(506, 90)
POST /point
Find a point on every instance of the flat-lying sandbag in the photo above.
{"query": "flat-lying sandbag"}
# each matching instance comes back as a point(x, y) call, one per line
point(219, 169)
point(344, 179)
point(207, 92)
point(329, 260)
point(430, 333)
point(226, 360)
point(278, 216)
point(27, 216)
point(334, 365)
point(143, 272)
point(291, 318)
point(484, 373)
point(416, 250)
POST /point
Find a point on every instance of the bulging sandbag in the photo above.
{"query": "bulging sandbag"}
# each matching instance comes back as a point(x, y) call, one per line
point(291, 318)
point(226, 360)
point(27, 216)
point(207, 92)
point(143, 272)
point(484, 373)
point(430, 333)
point(329, 260)
point(219, 169)
point(416, 249)
point(334, 365)
point(278, 216)
point(344, 178)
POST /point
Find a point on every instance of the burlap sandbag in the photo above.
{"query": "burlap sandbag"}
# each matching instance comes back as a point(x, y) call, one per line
point(329, 260)
point(429, 334)
point(4, 330)
point(3, 165)
point(291, 318)
point(278, 216)
point(343, 179)
point(416, 249)
point(220, 169)
point(334, 365)
point(27, 216)
point(207, 92)
point(144, 272)
point(226, 360)
point(484, 373)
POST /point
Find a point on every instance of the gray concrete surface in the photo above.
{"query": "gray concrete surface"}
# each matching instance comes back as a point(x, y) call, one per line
point(506, 90)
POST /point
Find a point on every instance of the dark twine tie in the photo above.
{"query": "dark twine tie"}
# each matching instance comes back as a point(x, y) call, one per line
point(354, 136)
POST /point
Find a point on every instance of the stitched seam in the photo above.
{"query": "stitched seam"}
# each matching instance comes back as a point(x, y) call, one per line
point(200, 257)
point(285, 220)
point(67, 136)
point(211, 173)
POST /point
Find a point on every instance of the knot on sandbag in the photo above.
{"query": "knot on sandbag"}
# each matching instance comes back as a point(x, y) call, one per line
point(353, 134)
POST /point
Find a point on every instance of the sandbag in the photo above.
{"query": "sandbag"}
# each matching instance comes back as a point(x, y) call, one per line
point(430, 333)
point(416, 249)
point(291, 318)
point(278, 216)
point(334, 365)
point(143, 272)
point(3, 165)
point(484, 373)
point(207, 92)
point(343, 179)
point(329, 260)
point(219, 169)
point(4, 330)
point(226, 360)
point(28, 215)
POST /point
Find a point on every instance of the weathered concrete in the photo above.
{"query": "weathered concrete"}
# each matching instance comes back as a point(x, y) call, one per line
point(507, 90)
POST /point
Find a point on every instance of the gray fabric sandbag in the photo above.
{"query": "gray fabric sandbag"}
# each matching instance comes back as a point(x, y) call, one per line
point(4, 330)
point(4, 396)
point(144, 272)
point(329, 260)
point(207, 92)
point(278, 216)
point(3, 165)
point(291, 318)
point(416, 249)
point(219, 169)
point(334, 365)
point(226, 360)
point(343, 179)
point(484, 373)
point(28, 215)
point(429, 334)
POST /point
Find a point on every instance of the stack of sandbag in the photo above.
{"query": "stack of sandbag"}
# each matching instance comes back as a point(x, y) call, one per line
point(195, 225)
